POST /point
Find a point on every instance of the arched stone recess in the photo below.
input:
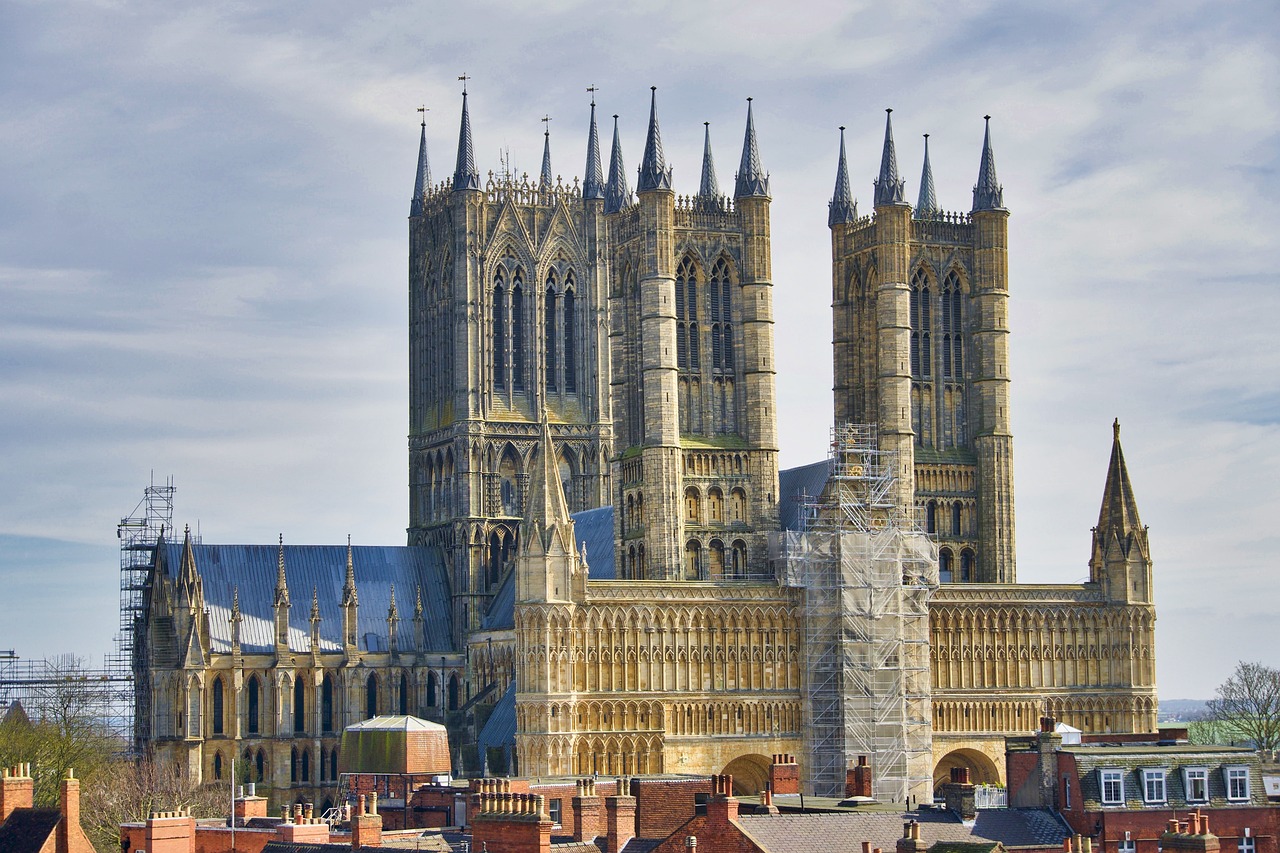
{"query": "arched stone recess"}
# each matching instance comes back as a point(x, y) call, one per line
point(981, 759)
point(750, 773)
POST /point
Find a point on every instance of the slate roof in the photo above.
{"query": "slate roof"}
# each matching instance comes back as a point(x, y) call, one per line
point(27, 830)
point(252, 568)
point(844, 832)
point(796, 483)
point(1132, 759)
point(595, 527)
point(500, 729)
point(501, 613)
point(397, 723)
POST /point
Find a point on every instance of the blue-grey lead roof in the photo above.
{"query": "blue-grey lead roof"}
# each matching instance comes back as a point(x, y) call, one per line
point(252, 569)
point(794, 485)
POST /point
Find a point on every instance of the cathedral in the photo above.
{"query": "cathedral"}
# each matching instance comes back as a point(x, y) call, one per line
point(606, 572)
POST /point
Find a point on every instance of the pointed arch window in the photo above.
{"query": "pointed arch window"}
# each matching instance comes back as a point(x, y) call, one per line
point(404, 695)
point(570, 337)
point(952, 327)
point(499, 331)
point(326, 704)
point(549, 332)
point(306, 765)
point(517, 332)
point(253, 702)
point(260, 764)
point(687, 354)
point(217, 708)
point(299, 705)
point(433, 690)
point(371, 696)
point(693, 560)
point(720, 296)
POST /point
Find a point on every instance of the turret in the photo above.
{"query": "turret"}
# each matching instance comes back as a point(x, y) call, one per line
point(708, 187)
point(350, 608)
point(617, 194)
point(759, 428)
point(465, 174)
point(419, 624)
point(235, 621)
point(393, 623)
point(545, 178)
point(992, 437)
point(593, 177)
point(422, 177)
point(1121, 558)
point(315, 625)
point(842, 209)
point(548, 564)
point(927, 205)
point(893, 329)
point(659, 407)
point(280, 606)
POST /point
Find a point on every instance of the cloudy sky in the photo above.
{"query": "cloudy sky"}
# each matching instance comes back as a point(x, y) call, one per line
point(203, 255)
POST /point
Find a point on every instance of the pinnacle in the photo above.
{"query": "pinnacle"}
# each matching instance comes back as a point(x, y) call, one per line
point(890, 189)
point(752, 180)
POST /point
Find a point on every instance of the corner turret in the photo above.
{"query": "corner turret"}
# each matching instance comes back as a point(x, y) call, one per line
point(617, 194)
point(422, 178)
point(752, 181)
point(843, 208)
point(1121, 559)
point(987, 193)
point(465, 174)
point(654, 173)
point(890, 189)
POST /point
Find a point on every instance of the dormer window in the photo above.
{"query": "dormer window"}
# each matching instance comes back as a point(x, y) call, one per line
point(1197, 784)
point(1237, 779)
point(1112, 784)
point(1153, 786)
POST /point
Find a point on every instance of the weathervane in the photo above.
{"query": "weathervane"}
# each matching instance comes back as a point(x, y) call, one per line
point(464, 78)
point(423, 109)
point(593, 89)
point(546, 129)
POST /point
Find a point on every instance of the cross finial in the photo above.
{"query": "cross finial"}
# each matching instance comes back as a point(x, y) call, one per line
point(593, 88)
point(423, 109)
point(464, 78)
point(546, 129)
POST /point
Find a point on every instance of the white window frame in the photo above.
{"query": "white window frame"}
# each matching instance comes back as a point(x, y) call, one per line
point(1232, 774)
point(1247, 844)
point(1066, 793)
point(1152, 777)
point(1192, 775)
point(555, 809)
point(1113, 776)
point(1127, 845)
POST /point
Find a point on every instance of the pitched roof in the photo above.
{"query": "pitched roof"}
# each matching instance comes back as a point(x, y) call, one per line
point(844, 832)
point(252, 570)
point(796, 484)
point(27, 830)
point(395, 722)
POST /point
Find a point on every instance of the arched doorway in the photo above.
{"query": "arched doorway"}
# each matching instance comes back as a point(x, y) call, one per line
point(750, 773)
point(982, 770)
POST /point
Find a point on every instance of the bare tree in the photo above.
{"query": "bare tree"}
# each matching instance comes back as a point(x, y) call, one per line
point(135, 790)
point(1248, 705)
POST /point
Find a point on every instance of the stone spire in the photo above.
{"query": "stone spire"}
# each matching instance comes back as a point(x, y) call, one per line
point(349, 596)
point(545, 178)
point(282, 588)
point(842, 208)
point(654, 174)
point(593, 181)
point(465, 175)
point(987, 193)
point(927, 204)
point(617, 193)
point(890, 189)
point(190, 589)
point(709, 188)
point(1119, 513)
point(422, 180)
point(547, 515)
point(752, 180)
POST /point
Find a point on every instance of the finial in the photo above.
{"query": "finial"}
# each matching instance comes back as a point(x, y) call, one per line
point(1115, 429)
point(546, 130)
point(464, 78)
point(593, 88)
point(424, 110)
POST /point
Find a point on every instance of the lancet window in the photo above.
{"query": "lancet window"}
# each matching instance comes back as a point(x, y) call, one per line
point(687, 355)
point(720, 293)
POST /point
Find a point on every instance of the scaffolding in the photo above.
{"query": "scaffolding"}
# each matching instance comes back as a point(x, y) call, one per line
point(867, 571)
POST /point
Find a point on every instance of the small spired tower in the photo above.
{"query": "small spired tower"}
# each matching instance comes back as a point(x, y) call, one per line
point(551, 577)
point(1121, 559)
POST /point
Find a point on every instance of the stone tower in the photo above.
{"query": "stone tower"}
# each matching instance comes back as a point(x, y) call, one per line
point(691, 308)
point(920, 348)
point(507, 314)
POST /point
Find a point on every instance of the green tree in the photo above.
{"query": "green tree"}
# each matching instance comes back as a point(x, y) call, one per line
point(1248, 705)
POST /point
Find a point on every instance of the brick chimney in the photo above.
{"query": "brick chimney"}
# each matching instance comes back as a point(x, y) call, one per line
point(511, 823)
point(1191, 836)
point(17, 789)
point(71, 837)
point(170, 832)
point(784, 774)
point(366, 823)
point(857, 779)
point(722, 807)
point(619, 818)
point(959, 794)
point(587, 811)
point(910, 840)
point(249, 805)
